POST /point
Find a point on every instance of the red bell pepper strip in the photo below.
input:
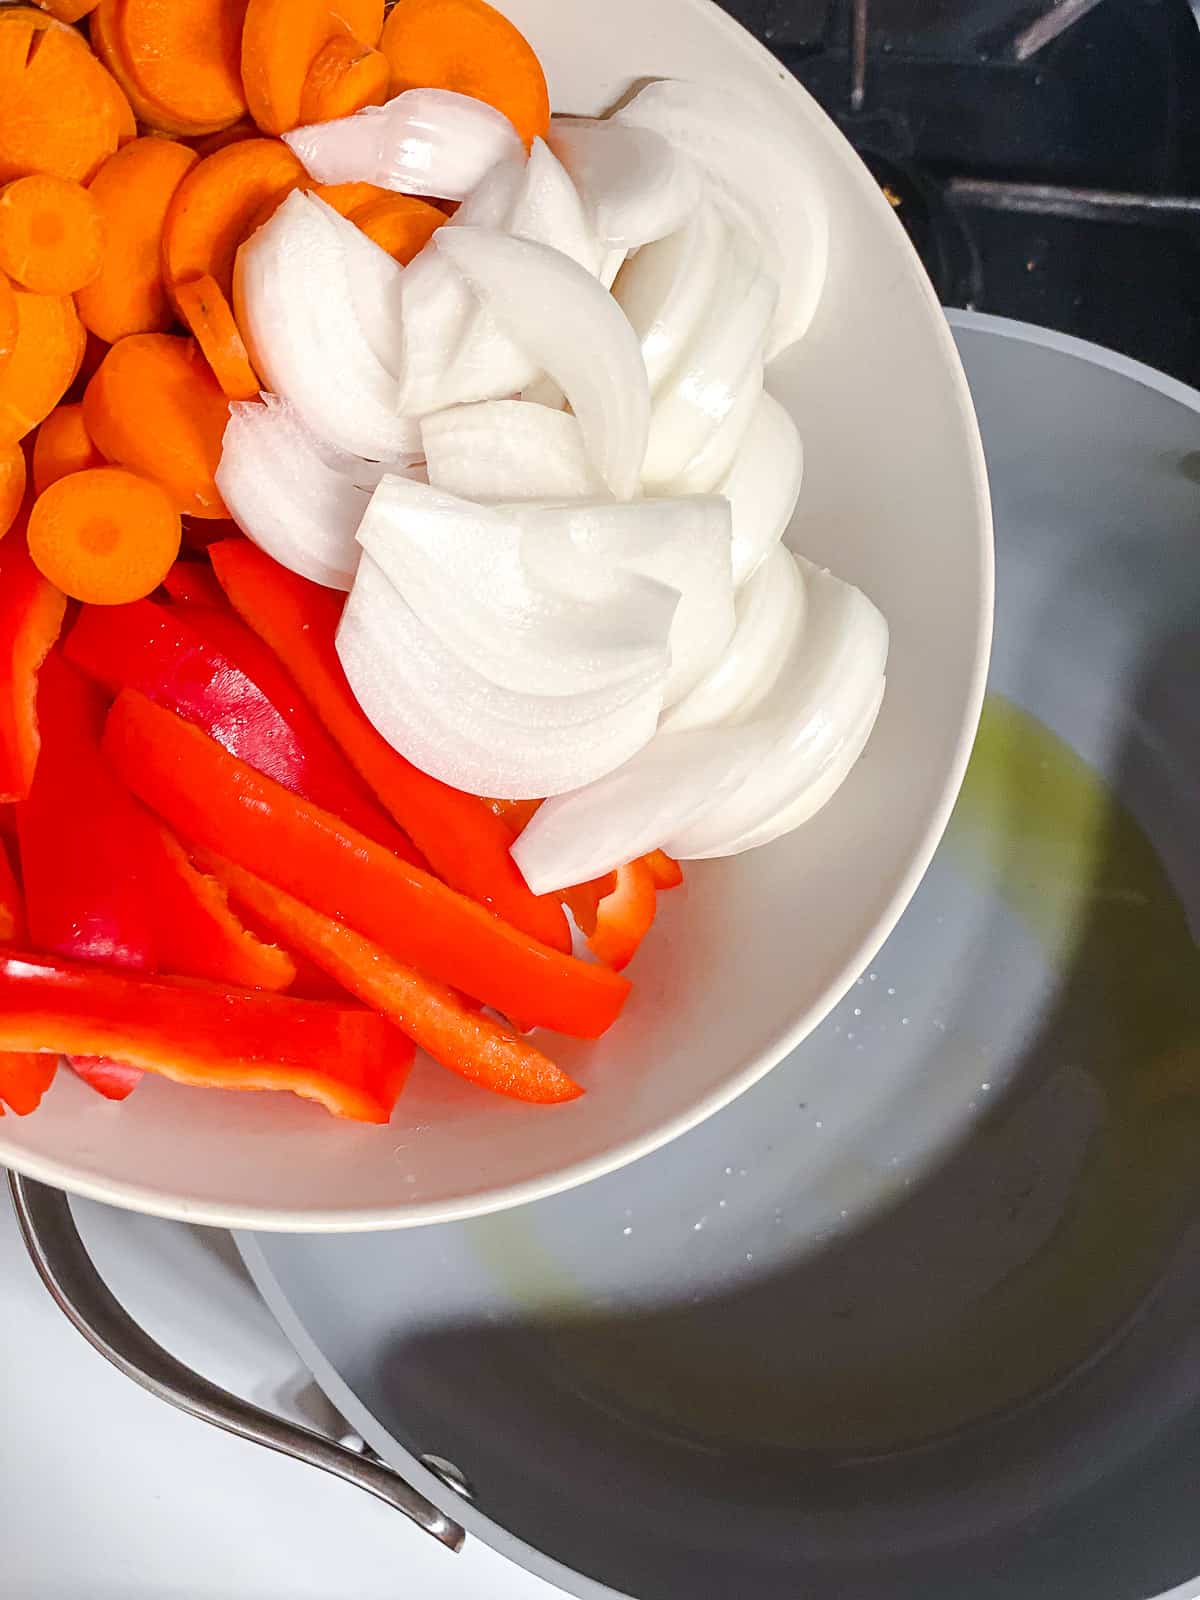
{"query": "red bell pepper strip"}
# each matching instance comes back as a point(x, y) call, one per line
point(348, 1059)
point(583, 901)
point(24, 1077)
point(210, 668)
point(464, 842)
point(115, 1080)
point(193, 583)
point(214, 800)
point(623, 917)
point(466, 1040)
point(664, 869)
point(12, 919)
point(31, 615)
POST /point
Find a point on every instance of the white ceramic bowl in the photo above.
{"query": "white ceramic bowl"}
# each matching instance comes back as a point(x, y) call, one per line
point(750, 956)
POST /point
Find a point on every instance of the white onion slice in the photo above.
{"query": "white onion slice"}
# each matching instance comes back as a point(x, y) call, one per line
point(454, 724)
point(459, 567)
point(812, 716)
point(770, 614)
point(682, 542)
point(713, 462)
point(635, 184)
point(424, 141)
point(564, 321)
point(666, 290)
point(294, 292)
point(508, 450)
point(286, 494)
point(700, 391)
point(760, 170)
point(763, 485)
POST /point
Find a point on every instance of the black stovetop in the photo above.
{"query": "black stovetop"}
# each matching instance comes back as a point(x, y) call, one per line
point(1044, 156)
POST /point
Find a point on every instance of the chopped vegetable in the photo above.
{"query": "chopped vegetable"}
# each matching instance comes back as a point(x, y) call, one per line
point(637, 186)
point(44, 359)
point(220, 803)
point(280, 41)
point(467, 1041)
point(507, 450)
point(464, 841)
point(58, 111)
point(9, 325)
point(68, 10)
point(208, 314)
point(193, 583)
point(51, 234)
point(623, 917)
point(104, 535)
point(345, 76)
point(31, 615)
point(24, 1077)
point(133, 190)
point(63, 445)
point(12, 484)
point(155, 407)
point(347, 1059)
point(398, 223)
point(664, 869)
point(115, 1080)
point(184, 57)
point(468, 46)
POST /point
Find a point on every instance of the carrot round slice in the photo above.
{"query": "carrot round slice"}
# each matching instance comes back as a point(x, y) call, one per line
point(399, 223)
point(8, 319)
point(216, 203)
point(207, 313)
point(185, 56)
point(281, 40)
point(208, 144)
point(104, 536)
point(45, 358)
point(346, 198)
point(12, 484)
point(468, 46)
point(68, 10)
point(104, 30)
point(133, 190)
point(345, 76)
point(154, 407)
point(57, 110)
point(63, 445)
point(51, 234)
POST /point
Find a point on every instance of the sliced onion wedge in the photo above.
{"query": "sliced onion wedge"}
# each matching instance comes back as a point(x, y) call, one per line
point(681, 542)
point(424, 141)
point(559, 315)
point(667, 288)
point(508, 450)
point(636, 185)
point(294, 288)
point(459, 566)
point(458, 726)
point(762, 176)
point(763, 485)
point(297, 500)
point(711, 465)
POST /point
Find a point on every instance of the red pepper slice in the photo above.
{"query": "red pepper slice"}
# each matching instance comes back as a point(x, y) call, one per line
point(115, 1080)
point(210, 668)
point(664, 869)
point(31, 615)
point(465, 843)
point(462, 1038)
point(193, 583)
point(349, 1060)
point(623, 917)
point(214, 800)
point(24, 1078)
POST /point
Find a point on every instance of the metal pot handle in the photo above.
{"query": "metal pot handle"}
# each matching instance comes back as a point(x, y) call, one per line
point(64, 1266)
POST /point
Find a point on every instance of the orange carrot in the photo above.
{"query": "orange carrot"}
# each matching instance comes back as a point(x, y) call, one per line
point(346, 198)
point(133, 190)
point(207, 313)
point(8, 319)
point(104, 536)
point(155, 408)
point(209, 143)
point(63, 445)
point(94, 352)
point(280, 42)
point(43, 364)
point(108, 41)
point(51, 234)
point(67, 10)
point(184, 56)
point(121, 110)
point(57, 110)
point(345, 76)
point(215, 204)
point(467, 46)
point(12, 484)
point(399, 224)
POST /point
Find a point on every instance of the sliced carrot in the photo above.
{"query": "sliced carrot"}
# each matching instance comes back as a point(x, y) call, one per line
point(155, 408)
point(51, 234)
point(399, 224)
point(170, 114)
point(216, 203)
point(8, 319)
point(346, 75)
point(63, 445)
point(67, 10)
point(12, 484)
point(42, 367)
point(468, 46)
point(208, 314)
point(104, 535)
point(57, 110)
point(346, 198)
point(185, 57)
point(133, 190)
point(94, 351)
point(208, 144)
point(281, 40)
point(664, 869)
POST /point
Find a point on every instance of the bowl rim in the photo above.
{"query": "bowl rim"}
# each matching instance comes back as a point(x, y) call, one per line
point(152, 1201)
